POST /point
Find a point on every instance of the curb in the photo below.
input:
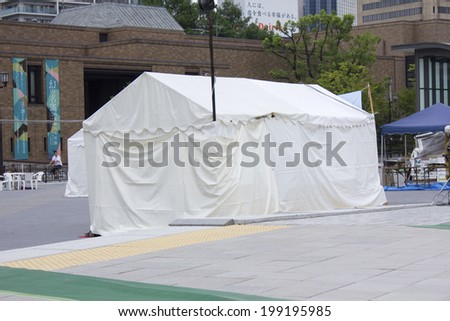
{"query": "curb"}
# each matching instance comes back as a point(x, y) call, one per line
point(291, 216)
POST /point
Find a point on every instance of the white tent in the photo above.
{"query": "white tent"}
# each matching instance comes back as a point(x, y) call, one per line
point(77, 177)
point(154, 155)
point(354, 98)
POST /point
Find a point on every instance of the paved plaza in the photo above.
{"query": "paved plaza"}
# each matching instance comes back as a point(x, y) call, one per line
point(399, 252)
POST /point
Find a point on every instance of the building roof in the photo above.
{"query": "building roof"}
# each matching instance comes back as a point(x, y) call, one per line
point(419, 46)
point(109, 15)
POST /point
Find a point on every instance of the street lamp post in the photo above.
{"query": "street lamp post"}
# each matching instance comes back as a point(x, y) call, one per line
point(390, 99)
point(207, 6)
point(390, 114)
point(5, 80)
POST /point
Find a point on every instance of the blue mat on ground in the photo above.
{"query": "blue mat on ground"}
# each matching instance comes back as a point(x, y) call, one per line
point(418, 187)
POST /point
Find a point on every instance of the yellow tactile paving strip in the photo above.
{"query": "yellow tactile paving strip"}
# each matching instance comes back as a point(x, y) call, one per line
point(121, 250)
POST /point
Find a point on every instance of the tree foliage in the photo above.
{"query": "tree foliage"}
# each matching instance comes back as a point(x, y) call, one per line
point(344, 78)
point(184, 11)
point(320, 48)
point(228, 19)
point(403, 105)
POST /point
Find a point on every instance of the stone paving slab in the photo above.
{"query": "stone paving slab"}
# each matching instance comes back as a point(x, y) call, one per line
point(386, 267)
point(364, 255)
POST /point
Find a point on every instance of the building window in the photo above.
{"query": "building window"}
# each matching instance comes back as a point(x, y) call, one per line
point(386, 3)
point(192, 71)
point(103, 37)
point(444, 10)
point(35, 88)
point(410, 71)
point(434, 81)
point(392, 15)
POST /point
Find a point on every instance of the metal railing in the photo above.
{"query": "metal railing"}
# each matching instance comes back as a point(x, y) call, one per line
point(29, 167)
point(21, 8)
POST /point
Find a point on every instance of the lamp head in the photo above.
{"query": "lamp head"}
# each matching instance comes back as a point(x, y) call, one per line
point(206, 5)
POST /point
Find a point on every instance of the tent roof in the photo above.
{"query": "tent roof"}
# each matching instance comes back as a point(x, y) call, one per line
point(431, 119)
point(76, 139)
point(165, 101)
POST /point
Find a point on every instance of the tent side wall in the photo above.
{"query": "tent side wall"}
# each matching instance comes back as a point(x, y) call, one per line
point(130, 190)
point(77, 176)
point(327, 167)
point(133, 187)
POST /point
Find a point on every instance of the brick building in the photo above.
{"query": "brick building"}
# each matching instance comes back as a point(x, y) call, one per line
point(96, 62)
point(423, 43)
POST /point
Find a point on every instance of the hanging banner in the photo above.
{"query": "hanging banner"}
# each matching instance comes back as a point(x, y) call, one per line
point(20, 98)
point(52, 104)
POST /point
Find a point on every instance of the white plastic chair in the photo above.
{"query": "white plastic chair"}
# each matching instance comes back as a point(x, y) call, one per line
point(7, 182)
point(37, 177)
point(18, 182)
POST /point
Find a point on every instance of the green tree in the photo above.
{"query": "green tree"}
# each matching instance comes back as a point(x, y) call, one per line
point(318, 48)
point(230, 22)
point(154, 3)
point(228, 19)
point(405, 103)
point(347, 77)
point(254, 32)
point(184, 11)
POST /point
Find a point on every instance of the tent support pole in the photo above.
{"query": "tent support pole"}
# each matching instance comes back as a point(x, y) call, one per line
point(382, 159)
point(213, 72)
point(406, 146)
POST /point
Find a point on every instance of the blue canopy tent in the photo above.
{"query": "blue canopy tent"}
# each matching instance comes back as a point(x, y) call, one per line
point(431, 119)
